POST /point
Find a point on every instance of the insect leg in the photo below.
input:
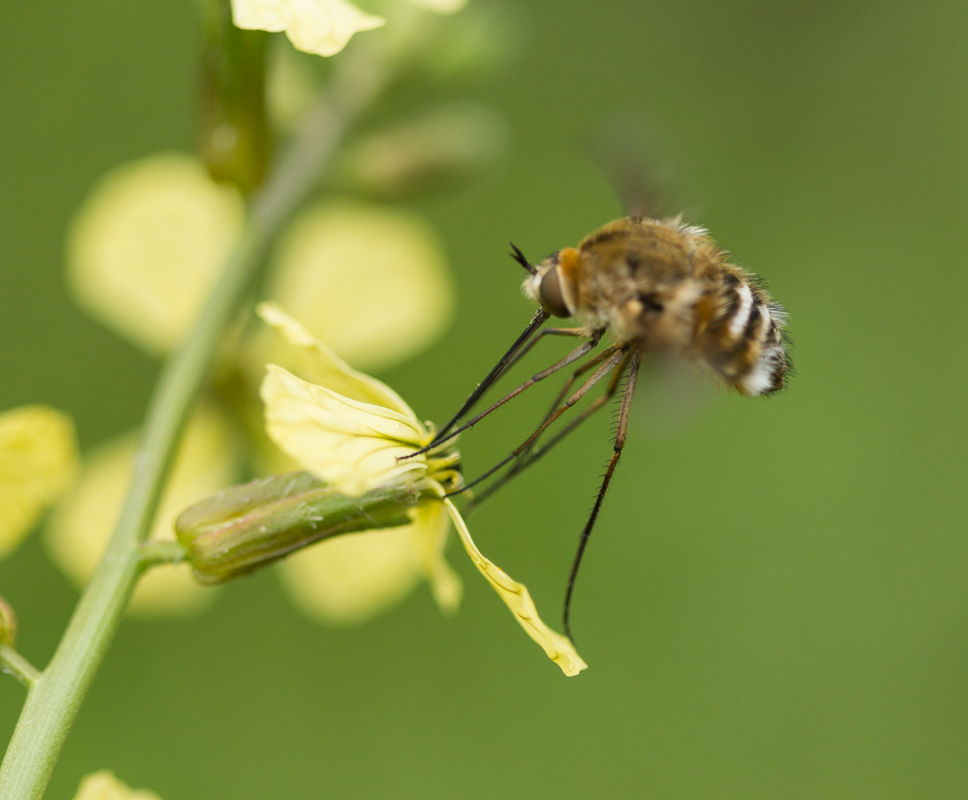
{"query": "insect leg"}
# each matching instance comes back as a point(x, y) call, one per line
point(541, 334)
point(623, 421)
point(578, 353)
point(613, 356)
point(500, 368)
point(529, 456)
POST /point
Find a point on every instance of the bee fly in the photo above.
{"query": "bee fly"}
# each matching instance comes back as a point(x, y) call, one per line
point(656, 287)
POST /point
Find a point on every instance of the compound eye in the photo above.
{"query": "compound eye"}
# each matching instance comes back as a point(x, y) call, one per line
point(551, 295)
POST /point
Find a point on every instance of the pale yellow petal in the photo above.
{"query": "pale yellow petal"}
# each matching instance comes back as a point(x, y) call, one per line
point(431, 528)
point(315, 362)
point(104, 786)
point(323, 27)
point(350, 444)
point(148, 244)
point(259, 15)
point(349, 579)
point(372, 283)
point(81, 526)
point(38, 459)
point(517, 598)
point(441, 6)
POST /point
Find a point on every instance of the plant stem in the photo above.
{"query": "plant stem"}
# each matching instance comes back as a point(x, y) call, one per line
point(55, 696)
point(15, 664)
point(152, 554)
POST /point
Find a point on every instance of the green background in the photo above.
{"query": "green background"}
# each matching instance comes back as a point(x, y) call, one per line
point(775, 603)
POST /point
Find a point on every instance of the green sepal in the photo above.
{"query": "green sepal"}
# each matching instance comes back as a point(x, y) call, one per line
point(245, 527)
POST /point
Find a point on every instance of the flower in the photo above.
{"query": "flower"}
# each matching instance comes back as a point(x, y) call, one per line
point(38, 459)
point(104, 786)
point(81, 526)
point(350, 432)
point(323, 27)
point(347, 265)
point(148, 244)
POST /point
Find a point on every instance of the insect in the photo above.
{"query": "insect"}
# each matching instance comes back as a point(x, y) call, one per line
point(655, 287)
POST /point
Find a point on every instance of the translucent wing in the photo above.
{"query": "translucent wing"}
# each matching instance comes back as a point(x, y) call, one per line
point(629, 158)
point(671, 394)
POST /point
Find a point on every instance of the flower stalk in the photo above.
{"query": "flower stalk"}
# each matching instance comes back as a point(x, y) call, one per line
point(56, 694)
point(15, 664)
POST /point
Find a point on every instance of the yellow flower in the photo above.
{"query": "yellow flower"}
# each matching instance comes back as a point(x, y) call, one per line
point(81, 526)
point(104, 786)
point(38, 459)
point(148, 245)
point(350, 433)
point(151, 239)
point(323, 27)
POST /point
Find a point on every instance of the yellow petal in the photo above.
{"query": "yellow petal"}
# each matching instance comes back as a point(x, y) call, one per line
point(104, 786)
point(38, 458)
point(314, 362)
point(431, 528)
point(516, 596)
point(349, 579)
point(81, 526)
point(350, 444)
point(371, 282)
point(441, 6)
point(148, 244)
point(259, 15)
point(323, 27)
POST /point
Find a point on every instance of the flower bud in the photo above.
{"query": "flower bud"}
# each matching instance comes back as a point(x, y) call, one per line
point(8, 624)
point(436, 151)
point(246, 527)
point(234, 137)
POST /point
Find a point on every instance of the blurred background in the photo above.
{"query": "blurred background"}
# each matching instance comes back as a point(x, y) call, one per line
point(775, 601)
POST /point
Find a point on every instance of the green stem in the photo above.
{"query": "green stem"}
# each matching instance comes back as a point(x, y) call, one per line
point(15, 664)
point(152, 554)
point(55, 696)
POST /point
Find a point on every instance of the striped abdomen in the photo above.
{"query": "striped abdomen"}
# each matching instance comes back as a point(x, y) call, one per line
point(742, 338)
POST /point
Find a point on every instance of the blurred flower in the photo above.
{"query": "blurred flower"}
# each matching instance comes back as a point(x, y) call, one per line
point(441, 6)
point(149, 243)
point(372, 282)
point(323, 27)
point(104, 786)
point(81, 526)
point(38, 459)
point(444, 147)
point(352, 438)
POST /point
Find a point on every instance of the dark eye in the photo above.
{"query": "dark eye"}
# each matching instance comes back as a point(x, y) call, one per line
point(551, 296)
